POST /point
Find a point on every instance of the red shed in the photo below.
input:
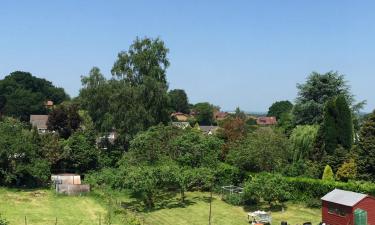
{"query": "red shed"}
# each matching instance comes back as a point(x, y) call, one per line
point(338, 207)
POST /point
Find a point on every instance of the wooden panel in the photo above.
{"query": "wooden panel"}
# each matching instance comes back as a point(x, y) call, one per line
point(333, 219)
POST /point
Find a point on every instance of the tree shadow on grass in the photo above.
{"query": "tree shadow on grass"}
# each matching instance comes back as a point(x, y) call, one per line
point(162, 201)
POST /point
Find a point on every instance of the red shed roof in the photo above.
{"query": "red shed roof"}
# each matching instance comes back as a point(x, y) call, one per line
point(342, 197)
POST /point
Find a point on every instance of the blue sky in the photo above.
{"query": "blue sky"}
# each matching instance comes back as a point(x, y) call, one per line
point(231, 53)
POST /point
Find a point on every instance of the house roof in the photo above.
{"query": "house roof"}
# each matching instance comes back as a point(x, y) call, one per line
point(266, 120)
point(39, 121)
point(49, 103)
point(342, 197)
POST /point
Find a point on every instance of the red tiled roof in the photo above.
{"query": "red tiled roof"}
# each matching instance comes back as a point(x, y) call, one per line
point(266, 120)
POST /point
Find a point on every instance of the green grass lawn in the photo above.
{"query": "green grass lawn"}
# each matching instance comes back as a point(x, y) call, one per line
point(197, 210)
point(41, 207)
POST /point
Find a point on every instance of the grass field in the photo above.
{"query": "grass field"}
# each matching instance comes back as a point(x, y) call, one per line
point(197, 211)
point(41, 207)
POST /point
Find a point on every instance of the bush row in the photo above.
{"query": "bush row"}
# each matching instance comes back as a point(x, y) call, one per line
point(275, 188)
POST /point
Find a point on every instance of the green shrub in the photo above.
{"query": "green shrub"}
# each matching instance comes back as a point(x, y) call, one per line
point(3, 221)
point(328, 174)
point(234, 199)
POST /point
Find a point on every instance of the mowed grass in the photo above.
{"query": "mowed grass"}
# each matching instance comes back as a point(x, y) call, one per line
point(41, 207)
point(196, 212)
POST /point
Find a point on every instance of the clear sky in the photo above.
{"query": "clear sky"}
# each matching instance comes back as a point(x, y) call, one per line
point(246, 53)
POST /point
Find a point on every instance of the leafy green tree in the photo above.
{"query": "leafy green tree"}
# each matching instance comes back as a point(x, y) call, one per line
point(267, 187)
point(141, 98)
point(278, 108)
point(79, 152)
point(94, 97)
point(262, 150)
point(179, 100)
point(26, 94)
point(337, 126)
point(21, 162)
point(328, 174)
point(312, 96)
point(347, 171)
point(204, 113)
point(146, 58)
point(366, 158)
point(302, 140)
point(194, 149)
point(344, 123)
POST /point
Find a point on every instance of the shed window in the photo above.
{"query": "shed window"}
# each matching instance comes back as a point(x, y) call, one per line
point(333, 209)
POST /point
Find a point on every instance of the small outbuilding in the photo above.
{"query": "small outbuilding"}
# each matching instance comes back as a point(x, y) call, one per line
point(341, 207)
point(69, 184)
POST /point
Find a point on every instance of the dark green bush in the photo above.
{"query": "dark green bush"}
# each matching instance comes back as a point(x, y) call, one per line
point(234, 199)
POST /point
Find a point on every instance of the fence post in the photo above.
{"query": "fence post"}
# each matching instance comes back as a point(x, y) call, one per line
point(25, 220)
point(56, 221)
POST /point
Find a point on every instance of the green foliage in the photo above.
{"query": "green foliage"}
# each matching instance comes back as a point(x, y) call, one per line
point(94, 97)
point(187, 147)
point(236, 199)
point(335, 137)
point(21, 161)
point(302, 140)
point(79, 152)
point(344, 123)
point(277, 109)
point(286, 123)
point(347, 171)
point(312, 96)
point(179, 100)
point(3, 221)
point(262, 150)
point(267, 187)
point(204, 111)
point(26, 94)
point(366, 157)
point(328, 174)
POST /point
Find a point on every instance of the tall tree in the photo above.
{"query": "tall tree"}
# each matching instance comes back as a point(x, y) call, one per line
point(318, 89)
point(179, 100)
point(337, 126)
point(94, 97)
point(278, 108)
point(366, 159)
point(141, 98)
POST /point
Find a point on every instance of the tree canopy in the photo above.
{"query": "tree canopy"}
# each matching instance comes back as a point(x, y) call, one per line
point(25, 94)
point(315, 92)
point(179, 101)
point(277, 109)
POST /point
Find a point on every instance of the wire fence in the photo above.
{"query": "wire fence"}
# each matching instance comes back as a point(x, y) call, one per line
point(34, 219)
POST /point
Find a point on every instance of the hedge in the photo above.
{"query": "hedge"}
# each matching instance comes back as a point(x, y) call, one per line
point(303, 189)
